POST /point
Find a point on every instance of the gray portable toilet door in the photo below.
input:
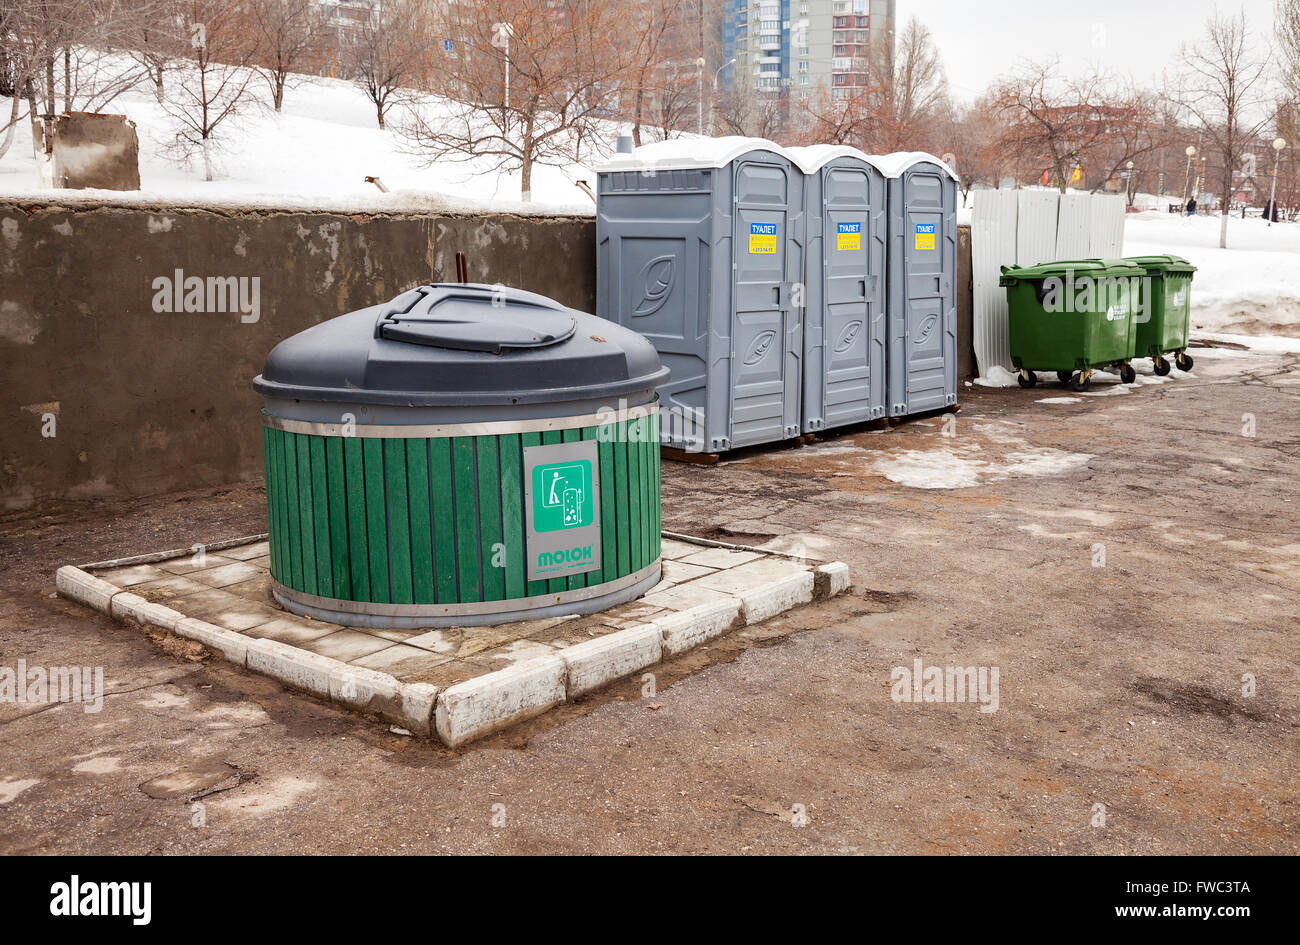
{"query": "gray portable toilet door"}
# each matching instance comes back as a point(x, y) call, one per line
point(764, 368)
point(852, 353)
point(930, 268)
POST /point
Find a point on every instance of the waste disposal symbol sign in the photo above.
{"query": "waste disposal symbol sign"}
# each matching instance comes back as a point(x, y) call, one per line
point(562, 494)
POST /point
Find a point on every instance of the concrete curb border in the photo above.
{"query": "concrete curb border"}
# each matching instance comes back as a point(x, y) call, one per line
point(477, 707)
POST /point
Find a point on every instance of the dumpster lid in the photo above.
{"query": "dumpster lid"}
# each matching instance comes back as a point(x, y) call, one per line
point(898, 163)
point(688, 153)
point(462, 345)
point(1161, 263)
point(814, 157)
point(1086, 268)
point(465, 318)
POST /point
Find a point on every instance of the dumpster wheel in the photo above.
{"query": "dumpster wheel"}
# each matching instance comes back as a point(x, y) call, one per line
point(1064, 376)
point(1126, 374)
point(1080, 381)
point(1161, 365)
point(1184, 361)
point(1026, 378)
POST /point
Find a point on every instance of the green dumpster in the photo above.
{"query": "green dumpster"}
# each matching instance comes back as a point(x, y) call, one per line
point(1072, 317)
point(1164, 305)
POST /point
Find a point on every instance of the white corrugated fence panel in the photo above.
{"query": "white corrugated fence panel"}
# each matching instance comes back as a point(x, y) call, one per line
point(1106, 226)
point(1073, 223)
point(993, 245)
point(1036, 227)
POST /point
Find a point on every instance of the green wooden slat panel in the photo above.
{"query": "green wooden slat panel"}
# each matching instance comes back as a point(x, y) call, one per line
point(399, 521)
point(657, 473)
point(338, 517)
point(512, 514)
point(320, 511)
point(444, 523)
point(376, 523)
point(608, 520)
point(417, 477)
point(291, 511)
point(288, 551)
point(622, 518)
point(467, 551)
point(491, 538)
point(634, 497)
point(274, 498)
point(306, 526)
point(647, 496)
point(533, 588)
point(354, 473)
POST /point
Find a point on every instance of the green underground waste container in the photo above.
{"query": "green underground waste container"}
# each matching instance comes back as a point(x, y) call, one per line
point(461, 455)
point(1072, 317)
point(1164, 307)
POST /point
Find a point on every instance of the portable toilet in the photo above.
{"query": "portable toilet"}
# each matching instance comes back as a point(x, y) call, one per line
point(698, 248)
point(844, 320)
point(921, 296)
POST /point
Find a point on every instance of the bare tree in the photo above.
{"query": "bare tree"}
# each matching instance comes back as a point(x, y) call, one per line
point(654, 54)
point(747, 109)
point(1221, 89)
point(212, 84)
point(61, 55)
point(287, 34)
point(386, 51)
point(530, 82)
point(918, 88)
point(1073, 127)
point(1287, 25)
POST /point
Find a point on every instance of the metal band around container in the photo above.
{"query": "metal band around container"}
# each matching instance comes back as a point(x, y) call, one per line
point(483, 428)
point(467, 609)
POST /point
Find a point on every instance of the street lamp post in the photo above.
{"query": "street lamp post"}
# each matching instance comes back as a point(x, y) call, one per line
point(1278, 145)
point(501, 33)
point(713, 102)
point(699, 104)
point(1187, 178)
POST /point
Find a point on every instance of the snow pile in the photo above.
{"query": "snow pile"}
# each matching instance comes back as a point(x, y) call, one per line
point(1251, 288)
point(316, 153)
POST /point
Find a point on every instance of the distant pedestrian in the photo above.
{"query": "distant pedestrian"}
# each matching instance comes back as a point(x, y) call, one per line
point(1191, 207)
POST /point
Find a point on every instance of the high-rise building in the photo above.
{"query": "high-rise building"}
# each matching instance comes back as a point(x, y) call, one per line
point(805, 45)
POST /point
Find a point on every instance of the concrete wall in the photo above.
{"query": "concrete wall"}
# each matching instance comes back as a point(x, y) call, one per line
point(140, 400)
point(93, 150)
point(966, 367)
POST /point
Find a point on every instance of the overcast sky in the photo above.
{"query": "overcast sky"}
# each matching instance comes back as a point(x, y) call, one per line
point(978, 41)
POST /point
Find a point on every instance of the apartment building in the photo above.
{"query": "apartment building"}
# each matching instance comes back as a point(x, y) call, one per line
point(804, 45)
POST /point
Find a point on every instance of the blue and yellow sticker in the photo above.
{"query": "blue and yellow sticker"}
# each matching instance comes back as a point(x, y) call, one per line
point(848, 236)
point(925, 236)
point(762, 239)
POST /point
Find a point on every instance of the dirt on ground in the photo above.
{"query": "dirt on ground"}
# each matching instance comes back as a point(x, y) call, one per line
point(1128, 563)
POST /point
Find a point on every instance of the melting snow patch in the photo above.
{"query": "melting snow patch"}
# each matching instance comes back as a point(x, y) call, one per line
point(1060, 400)
point(968, 463)
point(997, 376)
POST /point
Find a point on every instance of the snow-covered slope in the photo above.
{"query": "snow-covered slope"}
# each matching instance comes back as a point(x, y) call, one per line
point(316, 153)
point(1250, 288)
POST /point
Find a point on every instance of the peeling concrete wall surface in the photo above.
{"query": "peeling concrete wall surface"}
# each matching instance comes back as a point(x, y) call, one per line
point(109, 387)
point(93, 150)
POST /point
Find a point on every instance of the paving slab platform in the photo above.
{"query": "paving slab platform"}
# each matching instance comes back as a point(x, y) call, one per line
point(456, 684)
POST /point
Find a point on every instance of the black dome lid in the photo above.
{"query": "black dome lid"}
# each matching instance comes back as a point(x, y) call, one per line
point(461, 345)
